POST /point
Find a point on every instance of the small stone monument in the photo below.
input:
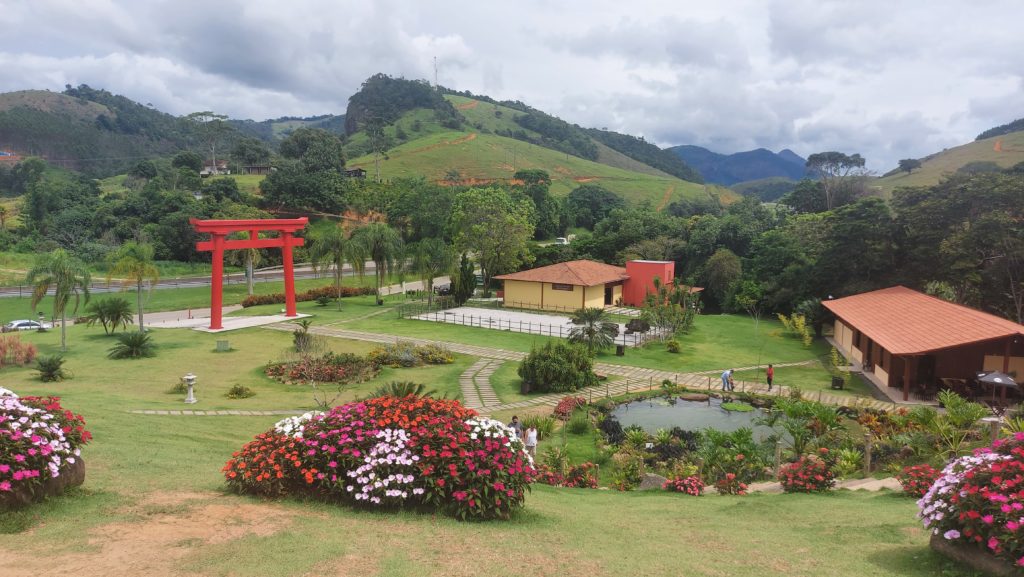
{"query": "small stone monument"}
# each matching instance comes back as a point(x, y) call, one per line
point(190, 382)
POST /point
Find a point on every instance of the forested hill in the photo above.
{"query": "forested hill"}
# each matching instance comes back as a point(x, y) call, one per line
point(728, 169)
point(93, 131)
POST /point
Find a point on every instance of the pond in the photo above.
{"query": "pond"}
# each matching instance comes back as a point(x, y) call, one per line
point(657, 413)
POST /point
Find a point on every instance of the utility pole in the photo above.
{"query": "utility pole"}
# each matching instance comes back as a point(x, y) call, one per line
point(436, 86)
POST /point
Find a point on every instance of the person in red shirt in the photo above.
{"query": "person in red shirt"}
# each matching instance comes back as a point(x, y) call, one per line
point(771, 376)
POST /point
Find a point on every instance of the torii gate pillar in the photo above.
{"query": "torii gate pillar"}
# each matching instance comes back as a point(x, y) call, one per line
point(218, 243)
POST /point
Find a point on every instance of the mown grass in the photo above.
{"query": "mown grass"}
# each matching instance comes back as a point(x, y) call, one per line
point(153, 502)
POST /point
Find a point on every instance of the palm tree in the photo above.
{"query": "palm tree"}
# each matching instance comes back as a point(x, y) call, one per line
point(134, 261)
point(593, 329)
point(67, 276)
point(381, 244)
point(328, 249)
point(432, 258)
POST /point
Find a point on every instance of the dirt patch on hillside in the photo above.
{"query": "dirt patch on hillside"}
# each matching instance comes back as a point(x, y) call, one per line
point(461, 140)
point(585, 178)
point(167, 530)
point(468, 105)
point(667, 197)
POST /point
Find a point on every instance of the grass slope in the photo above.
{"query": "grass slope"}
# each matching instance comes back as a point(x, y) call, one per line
point(54, 102)
point(935, 167)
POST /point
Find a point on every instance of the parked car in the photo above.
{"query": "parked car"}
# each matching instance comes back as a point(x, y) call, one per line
point(443, 289)
point(562, 241)
point(25, 325)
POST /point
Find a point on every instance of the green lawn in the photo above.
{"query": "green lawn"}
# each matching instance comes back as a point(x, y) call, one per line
point(809, 379)
point(153, 502)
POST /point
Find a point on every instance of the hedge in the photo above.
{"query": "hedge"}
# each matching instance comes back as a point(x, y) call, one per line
point(310, 295)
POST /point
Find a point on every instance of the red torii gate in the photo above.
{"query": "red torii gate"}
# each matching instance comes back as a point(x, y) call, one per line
point(219, 229)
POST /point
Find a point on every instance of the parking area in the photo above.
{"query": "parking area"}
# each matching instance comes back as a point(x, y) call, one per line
point(518, 322)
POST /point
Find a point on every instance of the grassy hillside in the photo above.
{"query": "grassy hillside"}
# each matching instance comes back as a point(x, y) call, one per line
point(1010, 151)
point(484, 158)
point(54, 102)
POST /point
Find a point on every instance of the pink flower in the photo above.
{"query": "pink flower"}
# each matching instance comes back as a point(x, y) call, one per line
point(5, 486)
point(993, 543)
point(988, 519)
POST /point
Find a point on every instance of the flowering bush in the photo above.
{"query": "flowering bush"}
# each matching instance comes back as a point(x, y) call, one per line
point(979, 500)
point(38, 438)
point(916, 480)
point(809, 474)
point(692, 485)
point(294, 426)
point(729, 484)
point(327, 368)
point(408, 354)
point(311, 295)
point(271, 464)
point(402, 452)
point(582, 476)
point(565, 407)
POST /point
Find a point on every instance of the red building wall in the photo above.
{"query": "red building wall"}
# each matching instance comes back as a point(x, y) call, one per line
point(641, 279)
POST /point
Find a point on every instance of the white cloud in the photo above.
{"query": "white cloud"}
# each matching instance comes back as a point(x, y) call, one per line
point(888, 80)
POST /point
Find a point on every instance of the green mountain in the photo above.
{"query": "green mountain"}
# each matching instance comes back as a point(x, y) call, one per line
point(1000, 151)
point(92, 131)
point(407, 128)
point(274, 130)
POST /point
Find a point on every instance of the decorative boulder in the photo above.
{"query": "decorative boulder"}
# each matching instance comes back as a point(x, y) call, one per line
point(71, 475)
point(652, 482)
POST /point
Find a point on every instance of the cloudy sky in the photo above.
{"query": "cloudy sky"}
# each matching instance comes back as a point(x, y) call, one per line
point(887, 79)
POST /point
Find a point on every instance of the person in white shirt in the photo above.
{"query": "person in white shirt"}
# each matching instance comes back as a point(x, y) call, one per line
point(531, 441)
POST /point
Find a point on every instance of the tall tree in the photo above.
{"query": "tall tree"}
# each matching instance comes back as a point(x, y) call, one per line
point(909, 164)
point(490, 223)
point(67, 276)
point(134, 262)
point(381, 244)
point(211, 129)
point(721, 271)
point(836, 171)
point(464, 282)
point(328, 250)
point(432, 257)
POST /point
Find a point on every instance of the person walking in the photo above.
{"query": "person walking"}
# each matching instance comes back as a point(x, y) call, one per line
point(770, 374)
point(531, 441)
point(516, 426)
point(727, 380)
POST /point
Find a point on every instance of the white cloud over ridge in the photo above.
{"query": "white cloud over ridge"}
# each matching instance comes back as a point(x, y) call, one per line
point(888, 80)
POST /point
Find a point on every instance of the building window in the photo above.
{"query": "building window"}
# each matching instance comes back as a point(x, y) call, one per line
point(561, 287)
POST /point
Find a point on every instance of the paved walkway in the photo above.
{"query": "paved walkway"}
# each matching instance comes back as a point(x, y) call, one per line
point(869, 484)
point(475, 384)
point(633, 379)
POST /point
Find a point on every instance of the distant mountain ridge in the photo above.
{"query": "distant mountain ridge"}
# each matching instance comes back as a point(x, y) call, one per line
point(728, 169)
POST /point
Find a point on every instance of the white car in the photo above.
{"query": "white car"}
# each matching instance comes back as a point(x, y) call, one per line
point(26, 325)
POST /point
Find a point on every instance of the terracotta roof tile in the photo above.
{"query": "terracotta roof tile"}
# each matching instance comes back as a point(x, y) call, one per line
point(904, 321)
point(575, 272)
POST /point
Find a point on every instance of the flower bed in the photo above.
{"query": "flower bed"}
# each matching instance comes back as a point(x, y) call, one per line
point(582, 476)
point(809, 474)
point(40, 448)
point(565, 407)
point(310, 295)
point(411, 452)
point(916, 480)
point(692, 485)
point(978, 501)
point(327, 368)
point(408, 354)
point(15, 353)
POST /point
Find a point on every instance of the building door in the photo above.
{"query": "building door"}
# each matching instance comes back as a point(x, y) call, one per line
point(607, 295)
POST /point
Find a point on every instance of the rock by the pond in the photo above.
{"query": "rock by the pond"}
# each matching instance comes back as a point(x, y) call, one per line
point(651, 482)
point(71, 475)
point(696, 397)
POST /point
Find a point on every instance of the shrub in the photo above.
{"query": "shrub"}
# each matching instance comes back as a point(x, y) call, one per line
point(310, 295)
point(403, 389)
point(327, 368)
point(567, 405)
point(809, 474)
point(301, 337)
point(611, 428)
point(673, 346)
point(630, 471)
point(133, 345)
point(917, 479)
point(14, 352)
point(976, 500)
point(556, 459)
point(38, 438)
point(729, 484)
point(408, 452)
point(240, 392)
point(323, 300)
point(692, 485)
point(545, 425)
point(51, 368)
point(582, 476)
point(848, 462)
point(557, 367)
point(637, 437)
point(271, 465)
point(579, 424)
point(408, 354)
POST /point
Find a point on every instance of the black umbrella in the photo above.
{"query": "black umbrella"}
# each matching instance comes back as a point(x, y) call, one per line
point(997, 379)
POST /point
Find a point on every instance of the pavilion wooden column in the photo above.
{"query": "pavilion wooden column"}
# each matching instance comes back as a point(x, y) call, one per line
point(906, 378)
point(289, 274)
point(217, 282)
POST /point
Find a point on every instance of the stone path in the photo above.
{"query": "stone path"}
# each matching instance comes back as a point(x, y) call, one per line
point(220, 413)
point(624, 311)
point(475, 385)
point(634, 378)
point(869, 484)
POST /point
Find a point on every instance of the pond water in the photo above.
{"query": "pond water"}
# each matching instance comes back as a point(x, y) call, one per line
point(657, 413)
